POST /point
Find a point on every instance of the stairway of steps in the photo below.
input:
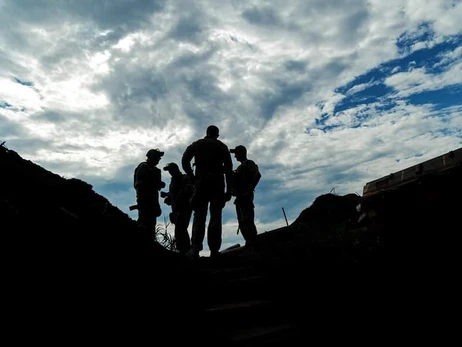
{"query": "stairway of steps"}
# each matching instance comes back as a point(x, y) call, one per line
point(245, 305)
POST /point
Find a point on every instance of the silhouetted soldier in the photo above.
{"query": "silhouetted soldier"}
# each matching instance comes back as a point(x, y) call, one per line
point(213, 166)
point(246, 178)
point(148, 183)
point(178, 197)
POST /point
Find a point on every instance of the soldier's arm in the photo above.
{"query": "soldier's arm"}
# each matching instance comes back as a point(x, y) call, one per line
point(256, 177)
point(253, 174)
point(186, 160)
point(167, 196)
point(228, 168)
point(158, 179)
point(188, 187)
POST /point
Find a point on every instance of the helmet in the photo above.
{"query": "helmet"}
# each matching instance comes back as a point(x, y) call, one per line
point(239, 149)
point(171, 167)
point(156, 152)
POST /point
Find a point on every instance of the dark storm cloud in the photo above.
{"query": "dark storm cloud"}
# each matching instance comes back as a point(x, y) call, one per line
point(285, 93)
point(191, 75)
point(106, 14)
point(115, 18)
point(265, 16)
point(352, 26)
point(189, 29)
point(191, 60)
point(295, 65)
point(134, 86)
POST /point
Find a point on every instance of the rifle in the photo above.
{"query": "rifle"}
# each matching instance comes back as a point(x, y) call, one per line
point(135, 207)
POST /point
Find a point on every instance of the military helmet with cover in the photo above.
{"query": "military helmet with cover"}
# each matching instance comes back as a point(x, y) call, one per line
point(154, 153)
point(171, 167)
point(239, 149)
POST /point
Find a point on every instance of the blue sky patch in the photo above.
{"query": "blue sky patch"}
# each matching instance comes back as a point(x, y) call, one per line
point(24, 83)
point(4, 104)
point(427, 58)
point(367, 96)
point(406, 40)
point(441, 98)
point(369, 88)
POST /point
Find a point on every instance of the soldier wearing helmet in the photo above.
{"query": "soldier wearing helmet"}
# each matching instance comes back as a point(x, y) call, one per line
point(178, 197)
point(213, 172)
point(148, 183)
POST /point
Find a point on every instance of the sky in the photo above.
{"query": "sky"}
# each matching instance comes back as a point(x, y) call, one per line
point(326, 95)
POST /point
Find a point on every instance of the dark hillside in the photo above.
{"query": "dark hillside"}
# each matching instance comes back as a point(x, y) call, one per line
point(80, 265)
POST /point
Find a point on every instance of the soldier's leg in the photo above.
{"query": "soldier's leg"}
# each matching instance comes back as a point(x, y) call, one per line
point(146, 214)
point(214, 231)
point(183, 241)
point(247, 221)
point(147, 219)
point(198, 227)
point(142, 211)
point(238, 214)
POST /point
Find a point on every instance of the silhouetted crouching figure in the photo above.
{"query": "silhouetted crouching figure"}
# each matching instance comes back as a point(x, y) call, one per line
point(148, 183)
point(213, 170)
point(179, 198)
point(246, 178)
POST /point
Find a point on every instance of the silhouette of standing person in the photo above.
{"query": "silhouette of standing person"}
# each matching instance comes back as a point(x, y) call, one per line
point(246, 178)
point(148, 183)
point(179, 198)
point(213, 172)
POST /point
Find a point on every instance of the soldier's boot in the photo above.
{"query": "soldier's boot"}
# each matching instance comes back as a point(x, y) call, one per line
point(214, 254)
point(193, 252)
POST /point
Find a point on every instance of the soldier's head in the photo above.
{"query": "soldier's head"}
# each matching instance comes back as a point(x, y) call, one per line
point(240, 152)
point(212, 131)
point(153, 156)
point(172, 169)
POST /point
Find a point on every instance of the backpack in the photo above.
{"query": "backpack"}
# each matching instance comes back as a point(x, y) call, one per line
point(134, 174)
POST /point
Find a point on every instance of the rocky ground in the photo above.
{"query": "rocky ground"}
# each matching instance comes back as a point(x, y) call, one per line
point(79, 269)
